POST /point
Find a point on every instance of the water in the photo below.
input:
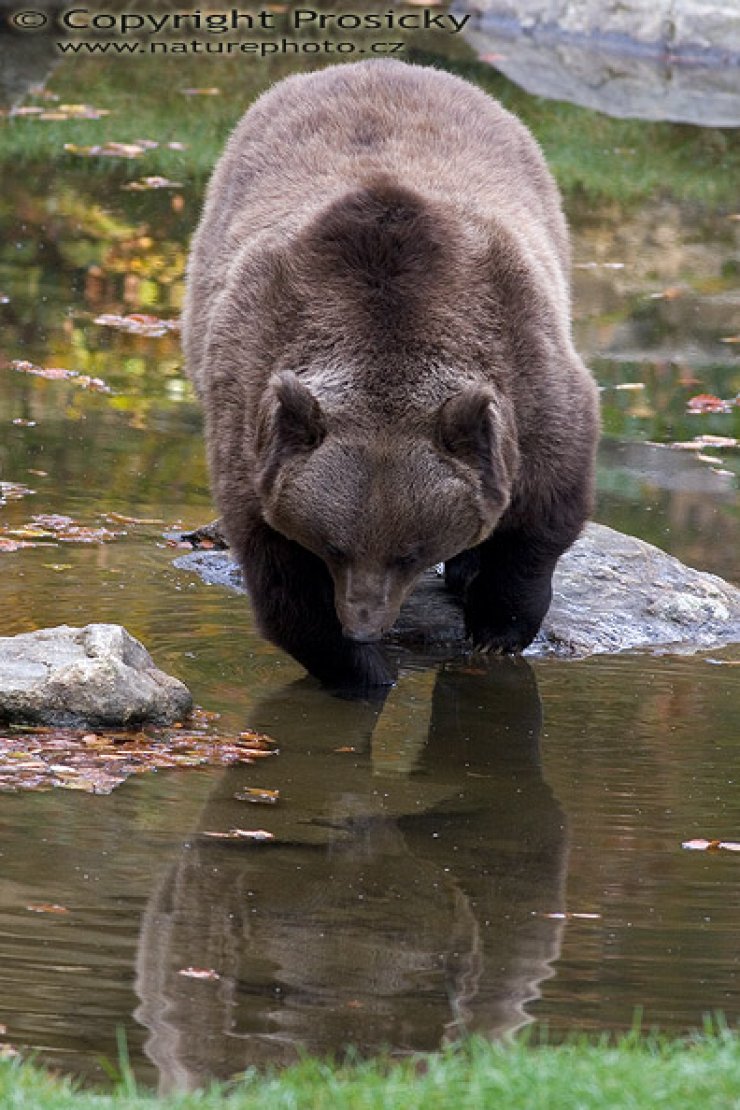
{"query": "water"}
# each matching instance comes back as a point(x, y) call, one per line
point(426, 849)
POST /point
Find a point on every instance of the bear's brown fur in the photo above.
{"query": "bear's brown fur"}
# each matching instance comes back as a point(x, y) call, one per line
point(378, 325)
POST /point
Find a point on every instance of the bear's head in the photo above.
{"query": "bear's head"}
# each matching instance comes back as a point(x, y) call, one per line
point(380, 509)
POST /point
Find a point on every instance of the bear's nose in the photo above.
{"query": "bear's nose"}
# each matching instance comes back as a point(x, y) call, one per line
point(360, 624)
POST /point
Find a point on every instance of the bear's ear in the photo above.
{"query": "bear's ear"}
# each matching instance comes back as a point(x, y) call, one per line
point(472, 428)
point(290, 422)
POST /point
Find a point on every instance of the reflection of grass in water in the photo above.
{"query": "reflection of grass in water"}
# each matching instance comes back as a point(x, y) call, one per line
point(625, 160)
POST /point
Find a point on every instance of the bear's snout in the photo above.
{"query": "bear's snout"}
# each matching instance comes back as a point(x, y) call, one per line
point(362, 623)
point(365, 606)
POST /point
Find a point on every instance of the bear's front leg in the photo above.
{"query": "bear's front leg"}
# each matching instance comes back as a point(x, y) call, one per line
point(506, 601)
point(292, 595)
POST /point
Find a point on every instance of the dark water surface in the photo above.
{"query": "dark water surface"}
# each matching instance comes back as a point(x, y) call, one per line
point(426, 849)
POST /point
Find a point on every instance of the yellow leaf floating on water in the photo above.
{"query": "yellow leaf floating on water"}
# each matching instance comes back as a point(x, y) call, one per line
point(258, 795)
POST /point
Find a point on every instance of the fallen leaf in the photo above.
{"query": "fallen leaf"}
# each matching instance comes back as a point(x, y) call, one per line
point(672, 293)
point(46, 907)
point(345, 748)
point(110, 149)
point(707, 402)
point(730, 339)
point(14, 545)
point(199, 973)
point(258, 795)
point(14, 491)
point(73, 111)
point(700, 845)
point(138, 323)
point(119, 518)
point(241, 834)
point(565, 916)
point(59, 373)
point(145, 184)
point(718, 441)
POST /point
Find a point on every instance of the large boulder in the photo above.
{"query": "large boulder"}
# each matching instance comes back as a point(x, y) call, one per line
point(649, 59)
point(612, 593)
point(97, 676)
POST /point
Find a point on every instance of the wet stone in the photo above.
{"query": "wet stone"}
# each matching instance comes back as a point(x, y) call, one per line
point(97, 675)
point(611, 593)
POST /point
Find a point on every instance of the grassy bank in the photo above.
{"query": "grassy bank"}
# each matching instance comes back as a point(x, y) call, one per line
point(591, 155)
point(634, 1073)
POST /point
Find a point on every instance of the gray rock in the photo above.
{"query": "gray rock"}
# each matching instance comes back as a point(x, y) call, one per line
point(647, 59)
point(97, 675)
point(611, 593)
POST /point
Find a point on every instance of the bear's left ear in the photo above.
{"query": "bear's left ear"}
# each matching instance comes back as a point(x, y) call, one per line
point(290, 422)
point(471, 426)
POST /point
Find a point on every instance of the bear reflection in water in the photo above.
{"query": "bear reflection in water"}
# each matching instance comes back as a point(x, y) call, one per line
point(402, 902)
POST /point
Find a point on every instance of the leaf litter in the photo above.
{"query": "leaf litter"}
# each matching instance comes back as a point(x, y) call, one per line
point(53, 528)
point(41, 757)
point(139, 323)
point(60, 373)
point(14, 491)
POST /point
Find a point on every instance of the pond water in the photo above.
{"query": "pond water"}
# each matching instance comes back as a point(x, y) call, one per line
point(495, 844)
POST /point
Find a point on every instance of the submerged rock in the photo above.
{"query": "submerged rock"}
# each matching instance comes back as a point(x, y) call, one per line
point(97, 675)
point(612, 593)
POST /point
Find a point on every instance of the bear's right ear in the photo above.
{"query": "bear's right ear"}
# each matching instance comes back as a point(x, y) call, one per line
point(290, 423)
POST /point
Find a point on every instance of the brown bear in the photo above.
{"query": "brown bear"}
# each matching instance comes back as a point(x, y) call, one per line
point(377, 322)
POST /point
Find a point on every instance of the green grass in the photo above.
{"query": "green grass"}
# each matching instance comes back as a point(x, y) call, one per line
point(591, 154)
point(632, 1073)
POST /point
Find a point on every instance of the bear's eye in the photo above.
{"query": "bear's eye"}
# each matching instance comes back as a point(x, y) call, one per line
point(336, 554)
